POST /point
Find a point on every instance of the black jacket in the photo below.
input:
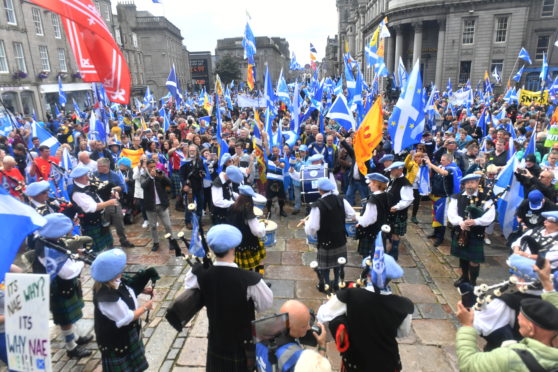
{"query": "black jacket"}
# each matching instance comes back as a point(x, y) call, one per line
point(192, 173)
point(96, 155)
point(161, 183)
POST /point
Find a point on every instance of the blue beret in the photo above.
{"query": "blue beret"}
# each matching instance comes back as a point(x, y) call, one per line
point(303, 148)
point(246, 190)
point(57, 226)
point(396, 165)
point(234, 174)
point(522, 267)
point(387, 157)
point(223, 237)
point(315, 157)
point(80, 170)
point(325, 184)
point(125, 161)
point(552, 216)
point(471, 177)
point(377, 177)
point(36, 188)
point(226, 157)
point(108, 265)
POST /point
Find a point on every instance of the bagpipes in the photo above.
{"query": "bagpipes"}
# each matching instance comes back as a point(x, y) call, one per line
point(15, 184)
point(77, 248)
point(139, 280)
point(342, 261)
point(472, 211)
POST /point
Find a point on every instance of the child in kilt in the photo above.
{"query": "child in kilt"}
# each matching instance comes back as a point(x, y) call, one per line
point(117, 327)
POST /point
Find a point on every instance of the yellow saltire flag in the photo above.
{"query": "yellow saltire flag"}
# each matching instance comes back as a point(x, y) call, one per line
point(375, 36)
point(218, 85)
point(250, 76)
point(206, 104)
point(133, 155)
point(369, 135)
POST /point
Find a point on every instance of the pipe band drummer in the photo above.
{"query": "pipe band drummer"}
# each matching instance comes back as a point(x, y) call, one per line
point(224, 191)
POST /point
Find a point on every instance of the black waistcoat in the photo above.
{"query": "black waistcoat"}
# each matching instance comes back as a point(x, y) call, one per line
point(249, 240)
point(463, 201)
point(227, 194)
point(89, 219)
point(58, 286)
point(332, 222)
point(382, 209)
point(394, 192)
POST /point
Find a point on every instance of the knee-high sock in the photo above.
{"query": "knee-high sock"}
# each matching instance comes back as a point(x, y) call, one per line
point(394, 252)
point(474, 274)
point(464, 265)
point(325, 276)
point(69, 338)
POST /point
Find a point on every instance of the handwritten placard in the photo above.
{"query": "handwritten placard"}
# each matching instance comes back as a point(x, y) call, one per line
point(27, 332)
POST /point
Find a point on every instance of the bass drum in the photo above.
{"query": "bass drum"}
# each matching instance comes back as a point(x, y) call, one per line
point(309, 176)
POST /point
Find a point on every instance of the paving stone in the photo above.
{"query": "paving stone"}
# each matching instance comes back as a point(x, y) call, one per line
point(291, 258)
point(272, 258)
point(408, 340)
point(298, 245)
point(307, 289)
point(308, 257)
point(140, 242)
point(432, 311)
point(413, 276)
point(159, 344)
point(418, 293)
point(434, 331)
point(423, 358)
point(193, 353)
point(188, 369)
point(200, 325)
point(282, 288)
point(291, 272)
point(178, 343)
point(278, 246)
point(405, 260)
point(167, 366)
point(449, 292)
point(173, 353)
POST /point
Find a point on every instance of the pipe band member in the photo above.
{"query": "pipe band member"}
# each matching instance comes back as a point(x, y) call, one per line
point(224, 191)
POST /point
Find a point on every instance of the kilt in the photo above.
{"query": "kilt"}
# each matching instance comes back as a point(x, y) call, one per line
point(398, 223)
point(226, 363)
point(327, 258)
point(66, 310)
point(250, 257)
point(366, 246)
point(133, 361)
point(176, 183)
point(474, 252)
point(102, 237)
point(274, 188)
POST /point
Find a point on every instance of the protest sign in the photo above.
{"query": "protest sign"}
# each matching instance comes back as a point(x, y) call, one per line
point(27, 331)
point(247, 101)
point(552, 136)
point(527, 97)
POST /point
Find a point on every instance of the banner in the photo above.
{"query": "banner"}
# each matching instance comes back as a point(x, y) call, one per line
point(27, 330)
point(552, 136)
point(527, 97)
point(247, 101)
point(461, 98)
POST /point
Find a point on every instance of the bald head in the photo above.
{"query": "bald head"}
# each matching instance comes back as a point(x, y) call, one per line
point(299, 317)
point(8, 162)
point(83, 157)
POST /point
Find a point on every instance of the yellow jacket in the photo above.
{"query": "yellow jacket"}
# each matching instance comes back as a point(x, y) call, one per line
point(412, 168)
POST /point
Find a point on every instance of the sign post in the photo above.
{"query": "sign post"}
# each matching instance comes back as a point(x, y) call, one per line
point(27, 331)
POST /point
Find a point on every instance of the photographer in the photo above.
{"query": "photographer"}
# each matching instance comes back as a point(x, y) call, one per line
point(543, 183)
point(192, 173)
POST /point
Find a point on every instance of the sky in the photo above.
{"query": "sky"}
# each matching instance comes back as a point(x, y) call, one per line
point(202, 22)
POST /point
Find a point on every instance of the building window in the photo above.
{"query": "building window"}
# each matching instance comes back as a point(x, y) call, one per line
point(62, 60)
point(468, 31)
point(43, 55)
point(10, 12)
point(106, 12)
point(20, 57)
point(498, 65)
point(56, 25)
point(37, 20)
point(134, 40)
point(547, 8)
point(3, 59)
point(464, 71)
point(117, 36)
point(542, 46)
point(501, 29)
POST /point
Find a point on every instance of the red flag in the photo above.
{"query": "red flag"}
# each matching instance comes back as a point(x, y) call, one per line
point(85, 63)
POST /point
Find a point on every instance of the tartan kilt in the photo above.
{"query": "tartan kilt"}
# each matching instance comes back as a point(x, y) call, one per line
point(176, 183)
point(227, 363)
point(66, 310)
point(102, 237)
point(250, 257)
point(327, 258)
point(398, 223)
point(474, 252)
point(366, 246)
point(133, 361)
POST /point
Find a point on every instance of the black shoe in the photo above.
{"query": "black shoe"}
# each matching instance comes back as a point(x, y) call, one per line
point(335, 286)
point(84, 340)
point(431, 236)
point(127, 244)
point(438, 242)
point(414, 220)
point(295, 212)
point(155, 247)
point(78, 352)
point(320, 287)
point(189, 225)
point(459, 281)
point(282, 213)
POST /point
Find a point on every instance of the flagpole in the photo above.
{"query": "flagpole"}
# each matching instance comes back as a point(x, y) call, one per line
point(513, 69)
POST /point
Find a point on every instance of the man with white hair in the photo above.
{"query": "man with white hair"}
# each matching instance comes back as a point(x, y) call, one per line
point(86, 161)
point(10, 177)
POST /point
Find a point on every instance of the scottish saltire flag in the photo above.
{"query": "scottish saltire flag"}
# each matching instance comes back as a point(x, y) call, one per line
point(295, 122)
point(482, 123)
point(378, 272)
point(290, 137)
point(456, 175)
point(269, 95)
point(196, 247)
point(510, 200)
point(174, 87)
point(222, 144)
point(532, 145)
point(440, 212)
point(294, 65)
point(431, 110)
point(351, 82)
point(449, 90)
point(406, 123)
point(544, 70)
point(17, 220)
point(424, 180)
point(54, 260)
point(496, 75)
point(148, 97)
point(283, 91)
point(340, 112)
point(45, 138)
point(487, 84)
point(249, 42)
point(524, 55)
point(518, 74)
point(402, 74)
point(6, 122)
point(338, 89)
point(553, 92)
point(61, 95)
point(504, 178)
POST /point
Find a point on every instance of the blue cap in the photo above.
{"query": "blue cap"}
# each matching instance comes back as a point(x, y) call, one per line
point(36, 188)
point(125, 162)
point(246, 190)
point(80, 170)
point(522, 267)
point(223, 237)
point(376, 177)
point(57, 226)
point(552, 216)
point(234, 174)
point(115, 143)
point(387, 157)
point(396, 165)
point(535, 199)
point(108, 265)
point(325, 184)
point(226, 157)
point(303, 148)
point(315, 157)
point(471, 177)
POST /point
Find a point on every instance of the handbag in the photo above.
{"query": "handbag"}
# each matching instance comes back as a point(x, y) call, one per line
point(184, 307)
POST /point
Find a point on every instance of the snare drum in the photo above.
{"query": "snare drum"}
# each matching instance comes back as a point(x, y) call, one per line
point(270, 230)
point(257, 212)
point(309, 176)
point(311, 241)
point(259, 201)
point(350, 228)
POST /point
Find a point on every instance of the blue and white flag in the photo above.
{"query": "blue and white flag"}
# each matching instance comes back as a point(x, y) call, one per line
point(45, 138)
point(524, 55)
point(449, 91)
point(196, 247)
point(338, 87)
point(402, 74)
point(553, 92)
point(532, 145)
point(496, 75)
point(351, 83)
point(424, 180)
point(544, 70)
point(283, 91)
point(441, 211)
point(173, 86)
point(378, 270)
point(295, 122)
point(269, 95)
point(294, 65)
point(510, 200)
point(61, 95)
point(249, 42)
point(517, 76)
point(504, 178)
point(340, 112)
point(482, 124)
point(406, 123)
point(17, 220)
point(289, 137)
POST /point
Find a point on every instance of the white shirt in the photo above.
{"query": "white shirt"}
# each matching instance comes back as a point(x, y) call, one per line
point(370, 215)
point(217, 194)
point(84, 201)
point(486, 219)
point(70, 270)
point(256, 227)
point(406, 197)
point(313, 224)
point(92, 165)
point(118, 311)
point(493, 316)
point(260, 293)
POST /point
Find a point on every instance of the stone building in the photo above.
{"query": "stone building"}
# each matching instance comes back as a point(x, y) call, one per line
point(201, 69)
point(271, 50)
point(330, 63)
point(455, 39)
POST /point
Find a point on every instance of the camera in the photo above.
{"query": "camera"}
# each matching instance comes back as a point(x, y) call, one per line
point(423, 162)
point(159, 171)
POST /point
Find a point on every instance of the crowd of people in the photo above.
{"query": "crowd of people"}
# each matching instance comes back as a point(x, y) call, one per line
point(222, 171)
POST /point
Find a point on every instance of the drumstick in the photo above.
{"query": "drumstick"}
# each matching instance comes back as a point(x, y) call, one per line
point(357, 208)
point(302, 222)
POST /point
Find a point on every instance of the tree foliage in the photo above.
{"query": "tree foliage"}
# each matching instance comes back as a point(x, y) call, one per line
point(228, 68)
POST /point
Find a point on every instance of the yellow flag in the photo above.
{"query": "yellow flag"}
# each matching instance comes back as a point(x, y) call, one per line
point(143, 123)
point(369, 135)
point(206, 104)
point(218, 85)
